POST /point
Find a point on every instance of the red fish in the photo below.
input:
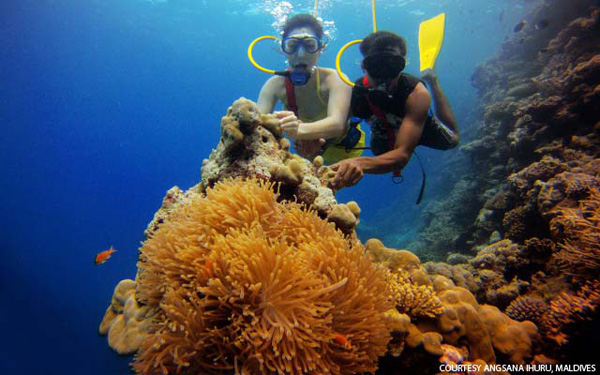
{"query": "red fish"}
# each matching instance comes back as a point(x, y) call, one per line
point(103, 256)
point(342, 340)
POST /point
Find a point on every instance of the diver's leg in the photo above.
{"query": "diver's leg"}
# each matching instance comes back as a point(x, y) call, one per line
point(443, 111)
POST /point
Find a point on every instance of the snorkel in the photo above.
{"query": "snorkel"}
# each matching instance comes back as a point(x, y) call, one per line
point(299, 74)
point(301, 42)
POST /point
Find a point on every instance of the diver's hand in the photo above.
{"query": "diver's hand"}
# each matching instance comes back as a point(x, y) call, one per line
point(289, 123)
point(348, 173)
point(428, 75)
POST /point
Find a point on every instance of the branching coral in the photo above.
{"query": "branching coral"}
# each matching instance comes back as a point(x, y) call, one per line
point(569, 313)
point(527, 308)
point(244, 284)
point(580, 253)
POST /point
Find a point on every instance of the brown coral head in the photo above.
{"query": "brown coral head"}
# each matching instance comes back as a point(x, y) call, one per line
point(343, 218)
point(246, 113)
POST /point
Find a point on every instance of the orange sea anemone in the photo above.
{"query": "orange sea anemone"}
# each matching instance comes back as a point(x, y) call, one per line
point(244, 284)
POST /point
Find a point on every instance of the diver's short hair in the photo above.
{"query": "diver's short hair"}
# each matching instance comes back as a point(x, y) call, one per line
point(302, 20)
point(380, 41)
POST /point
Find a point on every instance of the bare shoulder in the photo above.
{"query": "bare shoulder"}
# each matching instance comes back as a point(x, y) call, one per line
point(331, 78)
point(274, 83)
point(419, 99)
point(274, 86)
point(420, 94)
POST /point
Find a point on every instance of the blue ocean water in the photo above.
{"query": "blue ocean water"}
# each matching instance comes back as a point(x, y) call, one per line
point(106, 104)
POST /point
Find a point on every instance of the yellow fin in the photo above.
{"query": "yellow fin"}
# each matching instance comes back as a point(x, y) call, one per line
point(431, 36)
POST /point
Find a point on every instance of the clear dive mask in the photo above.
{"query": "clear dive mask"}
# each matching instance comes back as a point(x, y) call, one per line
point(311, 44)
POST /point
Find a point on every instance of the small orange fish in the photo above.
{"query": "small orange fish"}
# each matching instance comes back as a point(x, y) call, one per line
point(342, 340)
point(103, 256)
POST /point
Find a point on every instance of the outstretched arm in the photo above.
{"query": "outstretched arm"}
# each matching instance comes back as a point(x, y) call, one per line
point(350, 171)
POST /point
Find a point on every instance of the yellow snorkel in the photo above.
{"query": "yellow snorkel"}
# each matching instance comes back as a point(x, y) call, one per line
point(343, 49)
point(251, 46)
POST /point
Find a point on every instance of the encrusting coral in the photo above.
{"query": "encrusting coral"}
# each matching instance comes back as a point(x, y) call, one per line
point(241, 283)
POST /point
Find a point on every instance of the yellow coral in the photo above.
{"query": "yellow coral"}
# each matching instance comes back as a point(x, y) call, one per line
point(460, 324)
point(412, 299)
point(343, 217)
point(244, 284)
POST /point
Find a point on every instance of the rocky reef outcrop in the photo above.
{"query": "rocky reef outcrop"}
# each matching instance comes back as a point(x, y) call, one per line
point(532, 243)
point(252, 146)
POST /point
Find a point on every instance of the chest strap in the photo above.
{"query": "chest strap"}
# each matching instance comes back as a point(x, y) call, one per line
point(378, 112)
point(290, 93)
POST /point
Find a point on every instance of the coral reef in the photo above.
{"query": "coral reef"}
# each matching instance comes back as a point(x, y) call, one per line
point(448, 315)
point(257, 269)
point(252, 146)
point(538, 120)
point(533, 177)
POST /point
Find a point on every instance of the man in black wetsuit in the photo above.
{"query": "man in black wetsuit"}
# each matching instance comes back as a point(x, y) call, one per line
point(396, 105)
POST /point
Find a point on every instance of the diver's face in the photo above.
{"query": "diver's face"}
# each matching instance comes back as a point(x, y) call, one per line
point(382, 67)
point(303, 47)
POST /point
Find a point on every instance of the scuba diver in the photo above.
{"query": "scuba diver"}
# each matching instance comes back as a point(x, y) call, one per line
point(397, 107)
point(316, 100)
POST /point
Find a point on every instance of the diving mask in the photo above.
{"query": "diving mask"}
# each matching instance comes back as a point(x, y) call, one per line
point(384, 66)
point(311, 44)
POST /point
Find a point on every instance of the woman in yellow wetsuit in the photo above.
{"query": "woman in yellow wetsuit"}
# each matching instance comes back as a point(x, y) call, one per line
point(316, 100)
